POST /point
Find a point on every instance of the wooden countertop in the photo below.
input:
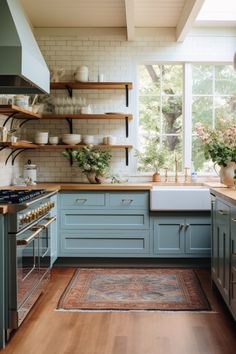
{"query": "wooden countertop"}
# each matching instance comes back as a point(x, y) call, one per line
point(130, 186)
point(228, 194)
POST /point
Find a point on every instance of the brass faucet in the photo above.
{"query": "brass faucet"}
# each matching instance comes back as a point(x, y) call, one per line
point(186, 177)
point(166, 174)
point(176, 169)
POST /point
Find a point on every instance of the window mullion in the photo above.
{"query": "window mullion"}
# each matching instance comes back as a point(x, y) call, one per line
point(187, 115)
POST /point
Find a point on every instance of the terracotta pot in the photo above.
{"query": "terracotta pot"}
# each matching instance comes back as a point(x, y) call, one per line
point(92, 178)
point(227, 174)
point(156, 177)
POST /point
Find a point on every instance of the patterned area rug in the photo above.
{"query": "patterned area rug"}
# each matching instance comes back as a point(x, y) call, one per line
point(133, 289)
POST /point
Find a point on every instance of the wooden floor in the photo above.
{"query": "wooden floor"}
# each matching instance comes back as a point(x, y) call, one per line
point(47, 331)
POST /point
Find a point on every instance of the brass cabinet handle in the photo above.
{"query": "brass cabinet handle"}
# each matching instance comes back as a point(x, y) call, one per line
point(187, 225)
point(26, 241)
point(127, 201)
point(234, 220)
point(221, 212)
point(81, 200)
point(181, 226)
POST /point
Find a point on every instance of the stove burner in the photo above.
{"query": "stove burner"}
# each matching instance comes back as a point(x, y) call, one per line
point(9, 196)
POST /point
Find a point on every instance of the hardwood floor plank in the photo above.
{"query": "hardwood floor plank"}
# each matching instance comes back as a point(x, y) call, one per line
point(56, 332)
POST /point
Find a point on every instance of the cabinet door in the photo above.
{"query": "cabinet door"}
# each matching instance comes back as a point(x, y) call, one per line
point(223, 236)
point(198, 235)
point(169, 235)
point(233, 263)
point(214, 242)
point(53, 231)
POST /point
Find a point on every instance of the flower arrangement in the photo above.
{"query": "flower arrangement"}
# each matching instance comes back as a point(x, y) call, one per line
point(220, 143)
point(93, 162)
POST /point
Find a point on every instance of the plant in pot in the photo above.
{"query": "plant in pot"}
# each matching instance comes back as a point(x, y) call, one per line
point(220, 146)
point(93, 162)
point(152, 159)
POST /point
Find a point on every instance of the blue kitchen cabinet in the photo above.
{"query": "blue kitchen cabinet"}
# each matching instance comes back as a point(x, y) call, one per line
point(232, 289)
point(169, 235)
point(2, 287)
point(181, 234)
point(223, 268)
point(104, 224)
point(53, 230)
point(198, 235)
point(223, 246)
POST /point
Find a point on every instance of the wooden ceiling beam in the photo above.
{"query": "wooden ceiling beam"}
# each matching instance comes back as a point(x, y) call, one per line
point(189, 14)
point(129, 12)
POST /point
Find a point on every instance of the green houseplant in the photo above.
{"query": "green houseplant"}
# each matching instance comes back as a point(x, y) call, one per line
point(220, 146)
point(152, 159)
point(93, 162)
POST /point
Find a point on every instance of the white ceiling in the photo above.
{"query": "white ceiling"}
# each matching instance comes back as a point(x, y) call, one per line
point(178, 14)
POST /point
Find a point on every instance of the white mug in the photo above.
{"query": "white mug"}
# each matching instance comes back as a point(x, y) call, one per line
point(53, 140)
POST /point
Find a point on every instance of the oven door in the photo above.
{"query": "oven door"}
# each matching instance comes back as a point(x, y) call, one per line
point(24, 274)
point(45, 244)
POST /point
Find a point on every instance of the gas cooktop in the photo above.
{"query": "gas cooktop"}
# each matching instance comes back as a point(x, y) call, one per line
point(9, 196)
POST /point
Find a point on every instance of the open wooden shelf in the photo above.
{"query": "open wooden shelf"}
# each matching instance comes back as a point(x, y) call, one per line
point(19, 145)
point(91, 85)
point(88, 116)
point(19, 111)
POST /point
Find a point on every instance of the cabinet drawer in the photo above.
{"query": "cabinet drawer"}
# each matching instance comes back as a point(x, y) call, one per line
point(82, 200)
point(107, 242)
point(222, 212)
point(100, 219)
point(129, 200)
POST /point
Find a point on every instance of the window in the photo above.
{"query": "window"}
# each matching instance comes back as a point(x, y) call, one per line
point(160, 109)
point(209, 96)
point(213, 99)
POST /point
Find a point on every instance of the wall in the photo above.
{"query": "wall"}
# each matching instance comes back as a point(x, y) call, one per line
point(7, 172)
point(107, 51)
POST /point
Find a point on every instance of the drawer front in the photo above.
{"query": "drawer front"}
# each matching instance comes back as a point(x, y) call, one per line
point(83, 200)
point(129, 200)
point(110, 219)
point(222, 212)
point(104, 243)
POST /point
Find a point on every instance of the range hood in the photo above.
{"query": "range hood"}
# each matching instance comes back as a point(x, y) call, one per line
point(22, 66)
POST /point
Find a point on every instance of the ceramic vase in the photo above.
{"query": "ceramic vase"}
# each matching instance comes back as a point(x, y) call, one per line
point(227, 174)
point(94, 179)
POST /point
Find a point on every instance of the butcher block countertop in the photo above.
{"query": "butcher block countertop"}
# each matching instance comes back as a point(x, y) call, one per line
point(130, 186)
point(227, 194)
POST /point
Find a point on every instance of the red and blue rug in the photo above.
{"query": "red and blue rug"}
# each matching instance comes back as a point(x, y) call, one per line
point(133, 289)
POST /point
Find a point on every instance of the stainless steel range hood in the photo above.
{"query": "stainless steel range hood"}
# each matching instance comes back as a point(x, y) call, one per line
point(22, 66)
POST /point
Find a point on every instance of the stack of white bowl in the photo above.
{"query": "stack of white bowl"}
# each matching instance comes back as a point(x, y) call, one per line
point(41, 138)
point(88, 139)
point(71, 139)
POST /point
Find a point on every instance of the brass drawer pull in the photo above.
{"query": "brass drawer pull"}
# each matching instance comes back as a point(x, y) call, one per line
point(81, 200)
point(221, 212)
point(234, 220)
point(127, 201)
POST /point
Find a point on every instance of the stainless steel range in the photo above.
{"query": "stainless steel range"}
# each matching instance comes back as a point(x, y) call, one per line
point(28, 247)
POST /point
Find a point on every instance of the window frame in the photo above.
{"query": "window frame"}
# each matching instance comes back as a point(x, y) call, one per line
point(187, 111)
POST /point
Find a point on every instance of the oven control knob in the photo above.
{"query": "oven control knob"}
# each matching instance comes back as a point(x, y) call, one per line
point(22, 219)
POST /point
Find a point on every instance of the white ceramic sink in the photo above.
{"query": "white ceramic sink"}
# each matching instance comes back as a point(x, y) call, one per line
point(180, 198)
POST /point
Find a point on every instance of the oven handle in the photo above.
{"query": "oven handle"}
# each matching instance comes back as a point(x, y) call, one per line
point(26, 241)
point(50, 220)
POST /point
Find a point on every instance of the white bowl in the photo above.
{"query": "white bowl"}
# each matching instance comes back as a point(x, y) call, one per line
point(71, 141)
point(53, 140)
point(41, 140)
point(88, 139)
point(41, 134)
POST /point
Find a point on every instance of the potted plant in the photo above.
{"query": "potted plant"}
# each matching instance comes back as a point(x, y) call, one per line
point(220, 146)
point(93, 162)
point(152, 159)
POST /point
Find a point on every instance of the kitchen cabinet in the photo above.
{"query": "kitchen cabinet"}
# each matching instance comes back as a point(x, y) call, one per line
point(233, 262)
point(223, 268)
point(181, 234)
point(53, 230)
point(2, 284)
point(104, 223)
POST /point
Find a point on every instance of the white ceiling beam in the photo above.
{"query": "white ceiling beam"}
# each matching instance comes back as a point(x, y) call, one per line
point(129, 12)
point(189, 14)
